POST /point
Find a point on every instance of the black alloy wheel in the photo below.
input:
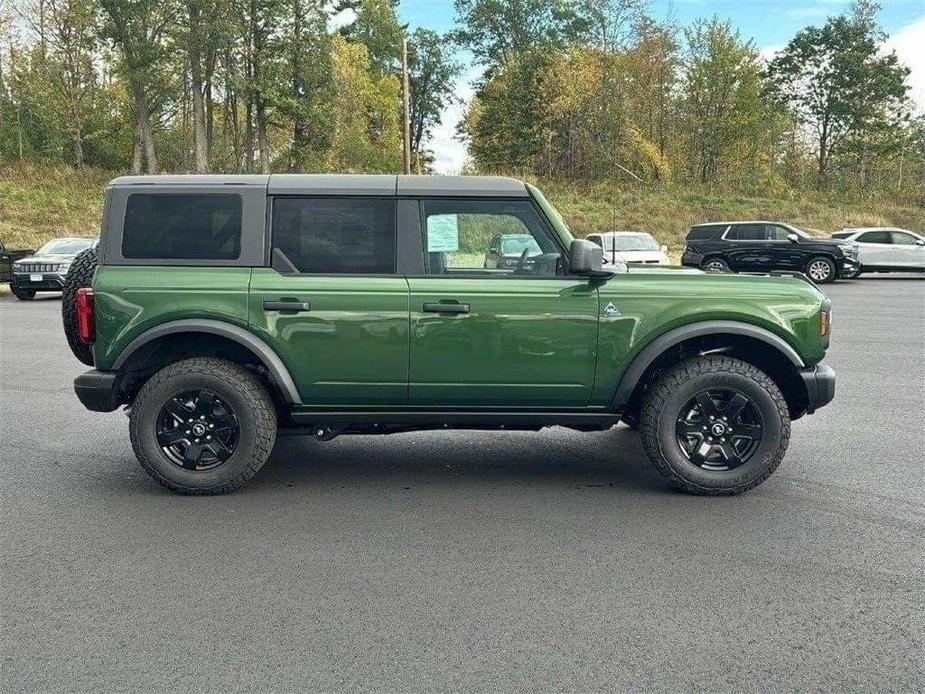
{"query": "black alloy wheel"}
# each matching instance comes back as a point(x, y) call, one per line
point(197, 430)
point(719, 429)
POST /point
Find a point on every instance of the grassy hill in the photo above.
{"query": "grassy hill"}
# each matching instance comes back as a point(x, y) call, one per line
point(38, 203)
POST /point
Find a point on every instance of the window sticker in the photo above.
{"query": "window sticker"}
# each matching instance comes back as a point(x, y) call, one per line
point(442, 233)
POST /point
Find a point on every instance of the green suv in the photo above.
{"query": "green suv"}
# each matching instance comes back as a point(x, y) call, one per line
point(225, 308)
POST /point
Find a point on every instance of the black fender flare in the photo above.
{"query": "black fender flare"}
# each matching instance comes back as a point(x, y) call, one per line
point(260, 349)
point(673, 337)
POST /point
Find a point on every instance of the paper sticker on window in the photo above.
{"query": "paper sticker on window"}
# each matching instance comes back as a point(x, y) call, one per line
point(442, 233)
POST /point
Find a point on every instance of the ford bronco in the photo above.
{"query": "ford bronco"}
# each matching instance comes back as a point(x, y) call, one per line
point(225, 308)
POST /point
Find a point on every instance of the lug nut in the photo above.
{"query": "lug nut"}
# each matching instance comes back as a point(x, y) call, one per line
point(712, 418)
point(202, 416)
point(723, 440)
point(208, 438)
point(187, 431)
point(211, 426)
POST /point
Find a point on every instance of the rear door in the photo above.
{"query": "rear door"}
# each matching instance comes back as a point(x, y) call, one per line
point(875, 248)
point(523, 337)
point(332, 305)
point(749, 249)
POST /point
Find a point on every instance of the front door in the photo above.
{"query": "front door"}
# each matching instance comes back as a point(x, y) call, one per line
point(332, 305)
point(523, 335)
point(908, 251)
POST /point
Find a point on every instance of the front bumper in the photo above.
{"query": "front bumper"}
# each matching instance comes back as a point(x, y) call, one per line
point(50, 282)
point(820, 386)
point(98, 390)
point(848, 266)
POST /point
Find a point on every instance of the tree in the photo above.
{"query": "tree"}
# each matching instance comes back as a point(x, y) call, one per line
point(306, 50)
point(377, 27)
point(722, 106)
point(432, 76)
point(138, 29)
point(497, 31)
point(838, 80)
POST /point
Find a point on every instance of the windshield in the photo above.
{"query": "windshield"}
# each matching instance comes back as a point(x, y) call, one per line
point(516, 245)
point(65, 247)
point(635, 242)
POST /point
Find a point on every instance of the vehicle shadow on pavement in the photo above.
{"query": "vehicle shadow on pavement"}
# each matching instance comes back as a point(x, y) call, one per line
point(555, 456)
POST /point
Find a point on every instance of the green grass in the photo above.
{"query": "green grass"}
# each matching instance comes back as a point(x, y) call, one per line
point(38, 203)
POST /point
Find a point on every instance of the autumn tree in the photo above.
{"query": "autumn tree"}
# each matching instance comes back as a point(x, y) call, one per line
point(839, 80)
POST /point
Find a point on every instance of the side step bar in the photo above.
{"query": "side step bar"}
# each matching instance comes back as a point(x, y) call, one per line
point(327, 424)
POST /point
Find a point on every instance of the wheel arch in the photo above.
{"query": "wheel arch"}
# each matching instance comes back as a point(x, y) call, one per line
point(751, 343)
point(150, 348)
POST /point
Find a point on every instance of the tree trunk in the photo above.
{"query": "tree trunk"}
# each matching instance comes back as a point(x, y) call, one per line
point(145, 132)
point(136, 153)
point(200, 141)
point(262, 136)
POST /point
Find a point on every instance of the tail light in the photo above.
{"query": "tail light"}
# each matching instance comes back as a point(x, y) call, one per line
point(86, 322)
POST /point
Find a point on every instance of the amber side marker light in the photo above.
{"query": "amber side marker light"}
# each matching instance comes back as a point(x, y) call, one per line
point(86, 325)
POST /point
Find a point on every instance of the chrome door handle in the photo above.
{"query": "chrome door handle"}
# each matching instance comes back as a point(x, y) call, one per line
point(296, 306)
point(445, 308)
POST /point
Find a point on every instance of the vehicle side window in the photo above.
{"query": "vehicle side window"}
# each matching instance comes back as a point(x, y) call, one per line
point(713, 231)
point(174, 226)
point(747, 232)
point(776, 233)
point(903, 239)
point(459, 234)
point(353, 236)
point(874, 237)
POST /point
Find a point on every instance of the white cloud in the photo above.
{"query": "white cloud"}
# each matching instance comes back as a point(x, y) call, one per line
point(449, 153)
point(909, 44)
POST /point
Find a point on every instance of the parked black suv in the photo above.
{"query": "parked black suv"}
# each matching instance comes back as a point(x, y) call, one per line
point(763, 246)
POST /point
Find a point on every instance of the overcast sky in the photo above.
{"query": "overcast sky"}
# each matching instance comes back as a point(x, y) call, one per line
point(769, 23)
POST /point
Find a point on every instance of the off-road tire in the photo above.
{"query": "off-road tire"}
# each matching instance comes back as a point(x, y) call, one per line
point(833, 271)
point(241, 389)
point(19, 292)
point(720, 265)
point(80, 275)
point(678, 385)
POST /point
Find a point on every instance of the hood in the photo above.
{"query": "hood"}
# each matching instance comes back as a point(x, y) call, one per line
point(47, 258)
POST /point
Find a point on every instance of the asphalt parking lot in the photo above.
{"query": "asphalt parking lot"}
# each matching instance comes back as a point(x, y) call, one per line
point(489, 562)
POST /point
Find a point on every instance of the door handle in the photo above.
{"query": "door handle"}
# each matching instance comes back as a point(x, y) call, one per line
point(296, 306)
point(445, 308)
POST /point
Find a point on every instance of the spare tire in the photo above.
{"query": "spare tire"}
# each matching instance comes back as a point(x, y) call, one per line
point(80, 275)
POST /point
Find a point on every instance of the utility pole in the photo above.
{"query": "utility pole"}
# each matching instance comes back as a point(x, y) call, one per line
point(406, 108)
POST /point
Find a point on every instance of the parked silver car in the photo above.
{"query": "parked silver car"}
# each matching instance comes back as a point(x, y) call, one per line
point(886, 249)
point(45, 270)
point(633, 247)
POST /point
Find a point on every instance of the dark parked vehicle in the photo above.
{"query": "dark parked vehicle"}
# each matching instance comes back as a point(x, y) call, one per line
point(764, 246)
point(45, 270)
point(7, 258)
point(511, 251)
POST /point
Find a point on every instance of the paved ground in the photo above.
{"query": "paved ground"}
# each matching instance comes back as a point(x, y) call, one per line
point(470, 561)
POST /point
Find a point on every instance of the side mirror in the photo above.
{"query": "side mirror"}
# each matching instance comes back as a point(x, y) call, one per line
point(920, 242)
point(584, 257)
point(2, 248)
point(793, 238)
point(664, 248)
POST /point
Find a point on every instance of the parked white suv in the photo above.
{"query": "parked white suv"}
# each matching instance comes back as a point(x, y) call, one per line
point(886, 249)
point(630, 247)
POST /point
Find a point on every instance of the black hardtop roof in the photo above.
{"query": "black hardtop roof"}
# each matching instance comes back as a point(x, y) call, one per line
point(340, 184)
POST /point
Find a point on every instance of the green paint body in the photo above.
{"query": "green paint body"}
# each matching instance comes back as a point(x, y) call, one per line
point(527, 342)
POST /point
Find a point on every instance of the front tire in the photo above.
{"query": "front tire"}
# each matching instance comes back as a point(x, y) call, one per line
point(20, 292)
point(203, 426)
point(821, 270)
point(715, 426)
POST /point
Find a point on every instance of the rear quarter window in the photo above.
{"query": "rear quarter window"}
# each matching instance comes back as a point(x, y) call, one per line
point(180, 226)
point(704, 233)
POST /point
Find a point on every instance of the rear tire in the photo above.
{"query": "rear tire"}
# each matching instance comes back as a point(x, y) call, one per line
point(715, 265)
point(19, 292)
point(748, 411)
point(821, 270)
point(231, 420)
point(79, 276)
point(852, 275)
